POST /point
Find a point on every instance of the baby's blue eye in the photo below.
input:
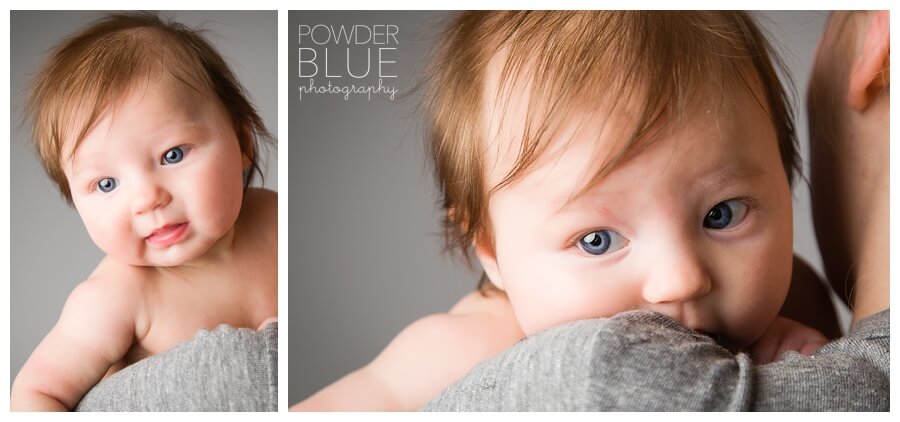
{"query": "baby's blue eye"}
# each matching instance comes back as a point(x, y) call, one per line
point(107, 184)
point(174, 155)
point(725, 214)
point(602, 241)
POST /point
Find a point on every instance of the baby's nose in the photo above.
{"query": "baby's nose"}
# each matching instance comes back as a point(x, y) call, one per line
point(680, 276)
point(148, 196)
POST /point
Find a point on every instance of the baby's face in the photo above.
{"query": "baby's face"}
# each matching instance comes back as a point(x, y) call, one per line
point(158, 181)
point(698, 226)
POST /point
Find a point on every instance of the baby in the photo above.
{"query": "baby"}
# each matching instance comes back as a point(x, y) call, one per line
point(148, 133)
point(595, 163)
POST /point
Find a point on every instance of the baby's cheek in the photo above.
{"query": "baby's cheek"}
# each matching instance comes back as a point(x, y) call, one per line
point(536, 306)
point(116, 237)
point(217, 196)
point(762, 292)
point(775, 272)
point(560, 294)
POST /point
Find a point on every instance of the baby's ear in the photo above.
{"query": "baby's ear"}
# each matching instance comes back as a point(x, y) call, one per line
point(487, 256)
point(870, 72)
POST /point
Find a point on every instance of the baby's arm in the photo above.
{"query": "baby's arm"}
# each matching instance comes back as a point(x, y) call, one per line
point(94, 331)
point(422, 360)
point(786, 335)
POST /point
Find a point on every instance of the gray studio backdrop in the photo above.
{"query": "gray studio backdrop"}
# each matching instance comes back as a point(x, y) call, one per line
point(365, 245)
point(50, 252)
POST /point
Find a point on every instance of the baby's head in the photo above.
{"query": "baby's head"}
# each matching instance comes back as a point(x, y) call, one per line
point(148, 133)
point(598, 162)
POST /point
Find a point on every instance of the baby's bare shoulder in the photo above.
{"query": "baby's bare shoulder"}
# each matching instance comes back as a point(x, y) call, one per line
point(259, 214)
point(478, 325)
point(120, 288)
point(493, 303)
point(437, 350)
point(99, 299)
point(260, 203)
point(119, 279)
point(471, 336)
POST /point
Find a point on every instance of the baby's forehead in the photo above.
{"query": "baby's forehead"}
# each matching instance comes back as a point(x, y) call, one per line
point(160, 85)
point(159, 102)
point(533, 98)
point(529, 131)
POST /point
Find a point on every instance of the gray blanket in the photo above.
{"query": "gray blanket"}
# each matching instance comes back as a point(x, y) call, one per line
point(646, 361)
point(225, 369)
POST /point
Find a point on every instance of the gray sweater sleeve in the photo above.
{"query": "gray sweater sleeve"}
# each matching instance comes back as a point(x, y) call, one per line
point(641, 360)
point(226, 369)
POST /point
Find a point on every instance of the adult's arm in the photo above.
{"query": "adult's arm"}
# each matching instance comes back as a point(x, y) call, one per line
point(226, 369)
point(646, 361)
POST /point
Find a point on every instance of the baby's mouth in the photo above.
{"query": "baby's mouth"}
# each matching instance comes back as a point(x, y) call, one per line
point(169, 234)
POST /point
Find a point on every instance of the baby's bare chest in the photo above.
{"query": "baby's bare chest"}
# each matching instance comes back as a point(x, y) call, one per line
point(177, 309)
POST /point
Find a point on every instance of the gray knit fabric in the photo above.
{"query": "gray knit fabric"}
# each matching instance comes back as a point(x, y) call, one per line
point(226, 369)
point(643, 361)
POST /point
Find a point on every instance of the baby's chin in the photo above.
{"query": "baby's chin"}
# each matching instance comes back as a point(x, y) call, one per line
point(172, 256)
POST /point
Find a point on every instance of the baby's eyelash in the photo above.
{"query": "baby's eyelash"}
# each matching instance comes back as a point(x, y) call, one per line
point(92, 185)
point(573, 241)
point(751, 202)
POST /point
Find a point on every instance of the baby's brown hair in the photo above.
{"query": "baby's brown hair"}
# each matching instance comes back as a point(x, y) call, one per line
point(651, 65)
point(90, 71)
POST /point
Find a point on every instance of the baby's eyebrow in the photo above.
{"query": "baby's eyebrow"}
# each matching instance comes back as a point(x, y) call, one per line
point(564, 202)
point(711, 180)
point(741, 171)
point(80, 162)
point(76, 168)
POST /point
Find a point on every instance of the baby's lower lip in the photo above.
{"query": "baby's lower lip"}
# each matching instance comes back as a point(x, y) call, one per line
point(168, 235)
